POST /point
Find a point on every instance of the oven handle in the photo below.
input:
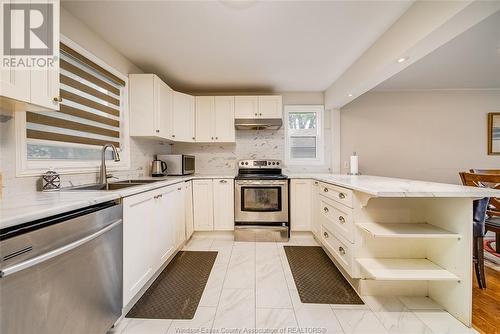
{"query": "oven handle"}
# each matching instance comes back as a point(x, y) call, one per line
point(279, 183)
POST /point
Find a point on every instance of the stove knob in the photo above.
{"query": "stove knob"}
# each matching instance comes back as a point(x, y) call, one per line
point(277, 163)
point(246, 163)
point(242, 163)
point(269, 163)
point(274, 163)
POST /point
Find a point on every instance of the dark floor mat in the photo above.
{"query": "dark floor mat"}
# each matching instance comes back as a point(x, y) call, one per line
point(177, 291)
point(318, 280)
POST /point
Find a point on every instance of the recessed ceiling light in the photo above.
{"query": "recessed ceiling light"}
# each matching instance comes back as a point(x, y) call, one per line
point(350, 95)
point(402, 59)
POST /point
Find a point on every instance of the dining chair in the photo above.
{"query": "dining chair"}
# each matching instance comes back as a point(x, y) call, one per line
point(480, 208)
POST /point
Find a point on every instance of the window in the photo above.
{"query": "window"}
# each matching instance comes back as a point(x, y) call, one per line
point(304, 135)
point(92, 113)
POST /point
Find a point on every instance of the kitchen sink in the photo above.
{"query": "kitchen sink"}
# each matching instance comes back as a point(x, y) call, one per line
point(111, 186)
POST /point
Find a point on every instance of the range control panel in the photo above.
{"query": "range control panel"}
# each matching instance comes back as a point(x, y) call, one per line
point(242, 164)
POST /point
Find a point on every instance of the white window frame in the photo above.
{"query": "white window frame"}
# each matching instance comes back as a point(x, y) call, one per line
point(25, 167)
point(320, 136)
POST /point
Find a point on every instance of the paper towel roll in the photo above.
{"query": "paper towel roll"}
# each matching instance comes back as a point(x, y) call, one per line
point(354, 164)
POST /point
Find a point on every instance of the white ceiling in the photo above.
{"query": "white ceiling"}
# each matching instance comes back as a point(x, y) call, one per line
point(469, 61)
point(244, 46)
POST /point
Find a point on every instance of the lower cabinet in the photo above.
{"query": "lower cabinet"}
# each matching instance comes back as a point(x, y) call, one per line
point(213, 205)
point(315, 209)
point(153, 228)
point(188, 202)
point(300, 204)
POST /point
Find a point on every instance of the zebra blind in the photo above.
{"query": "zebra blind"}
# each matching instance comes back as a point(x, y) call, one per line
point(89, 113)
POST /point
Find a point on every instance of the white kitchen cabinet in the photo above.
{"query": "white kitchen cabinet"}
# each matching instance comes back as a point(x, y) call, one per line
point(188, 206)
point(315, 213)
point(183, 117)
point(38, 87)
point(214, 119)
point(300, 204)
point(246, 106)
point(180, 215)
point(213, 205)
point(203, 214)
point(163, 217)
point(150, 107)
point(137, 235)
point(223, 208)
point(265, 106)
point(270, 106)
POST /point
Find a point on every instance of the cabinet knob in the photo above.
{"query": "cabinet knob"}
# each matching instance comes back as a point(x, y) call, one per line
point(157, 131)
point(325, 234)
point(216, 138)
point(260, 114)
point(173, 136)
point(325, 190)
point(325, 209)
point(341, 195)
point(342, 250)
point(341, 220)
point(222, 181)
point(194, 138)
point(212, 138)
point(57, 99)
point(179, 188)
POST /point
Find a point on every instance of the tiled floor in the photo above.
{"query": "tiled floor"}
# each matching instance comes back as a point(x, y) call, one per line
point(251, 286)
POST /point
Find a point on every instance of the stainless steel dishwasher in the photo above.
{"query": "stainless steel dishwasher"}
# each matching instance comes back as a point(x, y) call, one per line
point(63, 274)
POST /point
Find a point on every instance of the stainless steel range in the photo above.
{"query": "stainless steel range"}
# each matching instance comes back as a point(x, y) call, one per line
point(261, 201)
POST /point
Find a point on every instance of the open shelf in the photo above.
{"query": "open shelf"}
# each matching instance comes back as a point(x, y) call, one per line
point(405, 270)
point(406, 230)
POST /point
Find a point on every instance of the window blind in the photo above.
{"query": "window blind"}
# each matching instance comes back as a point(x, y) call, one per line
point(90, 109)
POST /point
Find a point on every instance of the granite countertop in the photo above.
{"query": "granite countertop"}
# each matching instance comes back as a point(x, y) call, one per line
point(39, 205)
point(379, 186)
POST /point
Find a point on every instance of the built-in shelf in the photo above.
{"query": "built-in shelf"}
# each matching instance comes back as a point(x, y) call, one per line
point(406, 230)
point(404, 270)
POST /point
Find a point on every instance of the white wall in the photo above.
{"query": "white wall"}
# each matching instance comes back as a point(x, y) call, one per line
point(424, 135)
point(141, 151)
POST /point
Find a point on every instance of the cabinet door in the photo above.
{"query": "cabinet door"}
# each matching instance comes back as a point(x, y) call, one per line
point(143, 104)
point(164, 239)
point(44, 82)
point(180, 222)
point(163, 112)
point(224, 119)
point(204, 107)
point(300, 205)
point(188, 206)
point(14, 83)
point(246, 106)
point(203, 205)
point(224, 204)
point(137, 236)
point(183, 117)
point(315, 214)
point(270, 106)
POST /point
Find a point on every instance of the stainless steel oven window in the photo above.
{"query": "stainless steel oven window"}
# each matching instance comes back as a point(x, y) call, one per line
point(261, 199)
point(188, 164)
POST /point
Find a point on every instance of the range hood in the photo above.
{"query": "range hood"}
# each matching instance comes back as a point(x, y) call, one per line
point(258, 123)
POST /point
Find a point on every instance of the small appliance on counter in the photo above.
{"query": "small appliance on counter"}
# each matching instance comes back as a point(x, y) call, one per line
point(179, 164)
point(158, 168)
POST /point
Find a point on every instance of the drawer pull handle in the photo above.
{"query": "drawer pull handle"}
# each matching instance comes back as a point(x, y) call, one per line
point(325, 209)
point(325, 234)
point(341, 195)
point(342, 250)
point(223, 181)
point(341, 220)
point(325, 190)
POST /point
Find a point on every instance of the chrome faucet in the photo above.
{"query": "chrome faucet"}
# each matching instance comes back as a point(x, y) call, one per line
point(103, 175)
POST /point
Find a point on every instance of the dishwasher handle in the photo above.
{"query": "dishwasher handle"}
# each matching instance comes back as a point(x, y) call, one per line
point(56, 252)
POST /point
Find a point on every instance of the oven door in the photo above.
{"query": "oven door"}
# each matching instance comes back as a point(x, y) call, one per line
point(188, 164)
point(261, 201)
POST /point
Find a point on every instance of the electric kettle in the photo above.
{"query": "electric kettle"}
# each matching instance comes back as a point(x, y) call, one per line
point(158, 168)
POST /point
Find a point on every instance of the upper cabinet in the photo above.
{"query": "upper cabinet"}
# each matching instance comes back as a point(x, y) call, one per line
point(37, 86)
point(151, 103)
point(183, 118)
point(214, 119)
point(266, 106)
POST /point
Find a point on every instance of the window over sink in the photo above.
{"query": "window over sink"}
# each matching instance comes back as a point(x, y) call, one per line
point(304, 135)
point(93, 111)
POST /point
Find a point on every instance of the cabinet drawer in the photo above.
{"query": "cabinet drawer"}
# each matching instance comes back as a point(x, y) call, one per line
point(338, 194)
point(338, 218)
point(339, 249)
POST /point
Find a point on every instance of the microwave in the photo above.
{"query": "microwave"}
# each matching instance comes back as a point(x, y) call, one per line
point(178, 164)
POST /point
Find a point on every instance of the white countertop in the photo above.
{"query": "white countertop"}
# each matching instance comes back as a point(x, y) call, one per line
point(39, 205)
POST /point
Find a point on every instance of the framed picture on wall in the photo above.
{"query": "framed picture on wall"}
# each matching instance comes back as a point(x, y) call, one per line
point(494, 133)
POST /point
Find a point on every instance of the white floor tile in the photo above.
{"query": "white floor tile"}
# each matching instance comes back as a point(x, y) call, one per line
point(119, 327)
point(359, 321)
point(149, 326)
point(420, 303)
point(199, 244)
point(240, 275)
point(273, 320)
point(236, 309)
point(211, 294)
point(201, 323)
point(316, 317)
point(441, 322)
point(271, 290)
